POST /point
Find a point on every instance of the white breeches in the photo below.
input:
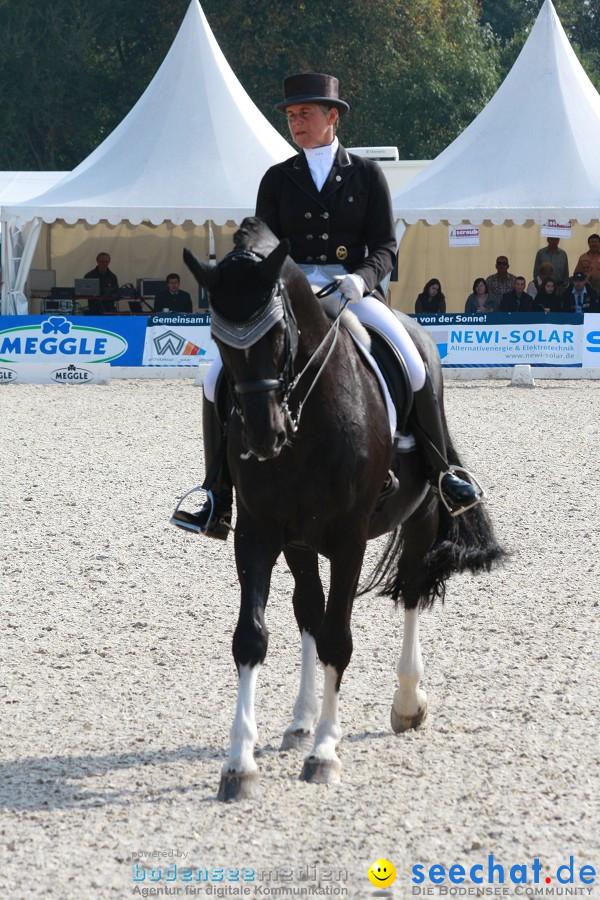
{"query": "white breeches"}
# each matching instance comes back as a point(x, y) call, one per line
point(369, 311)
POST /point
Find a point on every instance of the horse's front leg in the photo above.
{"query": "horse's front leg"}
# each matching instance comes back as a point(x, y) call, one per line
point(309, 606)
point(334, 646)
point(256, 554)
point(409, 708)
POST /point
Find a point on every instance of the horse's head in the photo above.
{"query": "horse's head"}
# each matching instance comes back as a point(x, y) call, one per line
point(254, 328)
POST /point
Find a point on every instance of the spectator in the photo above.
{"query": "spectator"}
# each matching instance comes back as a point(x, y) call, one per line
point(557, 258)
point(517, 300)
point(431, 299)
point(580, 297)
point(481, 301)
point(502, 282)
point(547, 297)
point(545, 271)
point(172, 299)
point(593, 254)
point(109, 284)
point(586, 268)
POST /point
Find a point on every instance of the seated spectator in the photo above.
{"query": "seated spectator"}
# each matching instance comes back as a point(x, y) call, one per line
point(109, 286)
point(586, 268)
point(481, 301)
point(172, 299)
point(558, 260)
point(580, 297)
point(593, 254)
point(545, 271)
point(547, 297)
point(502, 282)
point(431, 299)
point(517, 300)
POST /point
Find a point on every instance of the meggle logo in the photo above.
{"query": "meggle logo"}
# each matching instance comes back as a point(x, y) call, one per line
point(7, 375)
point(58, 338)
point(593, 341)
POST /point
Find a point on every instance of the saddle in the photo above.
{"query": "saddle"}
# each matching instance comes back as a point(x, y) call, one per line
point(395, 374)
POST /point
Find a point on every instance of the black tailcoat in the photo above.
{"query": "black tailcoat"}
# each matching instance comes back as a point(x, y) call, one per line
point(348, 222)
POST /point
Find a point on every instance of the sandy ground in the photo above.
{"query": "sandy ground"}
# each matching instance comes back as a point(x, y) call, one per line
point(117, 686)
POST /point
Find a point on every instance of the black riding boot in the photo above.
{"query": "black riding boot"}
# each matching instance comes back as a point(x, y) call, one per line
point(214, 518)
point(458, 495)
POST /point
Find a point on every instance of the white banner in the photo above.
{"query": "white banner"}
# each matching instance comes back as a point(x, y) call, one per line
point(552, 228)
point(507, 339)
point(591, 341)
point(54, 373)
point(463, 236)
point(178, 340)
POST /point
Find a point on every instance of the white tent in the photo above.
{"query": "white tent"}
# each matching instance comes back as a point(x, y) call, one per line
point(18, 186)
point(191, 151)
point(529, 156)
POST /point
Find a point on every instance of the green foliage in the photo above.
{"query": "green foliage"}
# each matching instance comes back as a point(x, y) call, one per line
point(415, 72)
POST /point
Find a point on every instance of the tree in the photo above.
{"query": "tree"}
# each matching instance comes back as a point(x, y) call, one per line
point(414, 71)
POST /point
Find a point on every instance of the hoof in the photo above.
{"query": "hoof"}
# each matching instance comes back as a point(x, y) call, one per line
point(321, 771)
point(238, 787)
point(405, 723)
point(296, 740)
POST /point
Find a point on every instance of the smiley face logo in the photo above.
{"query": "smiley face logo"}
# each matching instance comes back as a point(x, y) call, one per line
point(382, 873)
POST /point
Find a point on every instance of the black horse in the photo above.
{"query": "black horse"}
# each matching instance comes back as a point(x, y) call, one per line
point(311, 487)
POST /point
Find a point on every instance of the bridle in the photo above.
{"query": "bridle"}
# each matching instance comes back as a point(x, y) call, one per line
point(242, 335)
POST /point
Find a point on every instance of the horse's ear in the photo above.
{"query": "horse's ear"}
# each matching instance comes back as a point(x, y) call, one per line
point(270, 267)
point(205, 275)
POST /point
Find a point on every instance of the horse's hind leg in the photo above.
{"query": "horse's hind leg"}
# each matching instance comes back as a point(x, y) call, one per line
point(409, 707)
point(309, 606)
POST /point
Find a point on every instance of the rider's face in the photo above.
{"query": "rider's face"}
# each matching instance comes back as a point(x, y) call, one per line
point(310, 126)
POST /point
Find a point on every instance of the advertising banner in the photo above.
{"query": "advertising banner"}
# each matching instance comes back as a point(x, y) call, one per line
point(590, 351)
point(507, 339)
point(63, 340)
point(552, 228)
point(463, 236)
point(178, 340)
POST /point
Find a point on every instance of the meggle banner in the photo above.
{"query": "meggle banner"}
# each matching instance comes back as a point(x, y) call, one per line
point(508, 339)
point(72, 339)
point(178, 340)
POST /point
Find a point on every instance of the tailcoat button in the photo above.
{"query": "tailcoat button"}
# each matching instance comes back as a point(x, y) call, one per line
point(309, 259)
point(338, 177)
point(325, 215)
point(308, 215)
point(323, 258)
point(309, 237)
point(325, 237)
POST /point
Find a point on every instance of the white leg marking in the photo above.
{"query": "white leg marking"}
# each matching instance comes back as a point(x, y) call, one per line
point(410, 700)
point(306, 707)
point(328, 732)
point(244, 733)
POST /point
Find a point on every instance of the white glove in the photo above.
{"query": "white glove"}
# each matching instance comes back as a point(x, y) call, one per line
point(352, 287)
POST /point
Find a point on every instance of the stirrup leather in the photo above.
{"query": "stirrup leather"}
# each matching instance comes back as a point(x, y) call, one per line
point(211, 522)
point(470, 479)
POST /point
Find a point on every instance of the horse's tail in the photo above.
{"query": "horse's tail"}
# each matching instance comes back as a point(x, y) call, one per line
point(414, 569)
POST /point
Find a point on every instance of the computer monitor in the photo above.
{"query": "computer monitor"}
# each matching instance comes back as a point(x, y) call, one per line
point(87, 287)
point(150, 287)
point(62, 293)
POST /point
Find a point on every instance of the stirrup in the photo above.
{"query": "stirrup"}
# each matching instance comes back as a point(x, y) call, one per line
point(470, 479)
point(218, 528)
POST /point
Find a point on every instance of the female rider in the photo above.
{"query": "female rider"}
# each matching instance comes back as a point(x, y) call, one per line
point(335, 209)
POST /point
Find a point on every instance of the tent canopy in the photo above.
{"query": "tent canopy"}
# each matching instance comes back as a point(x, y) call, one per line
point(193, 148)
point(531, 154)
point(17, 186)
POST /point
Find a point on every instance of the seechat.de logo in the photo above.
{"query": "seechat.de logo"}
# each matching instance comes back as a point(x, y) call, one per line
point(593, 342)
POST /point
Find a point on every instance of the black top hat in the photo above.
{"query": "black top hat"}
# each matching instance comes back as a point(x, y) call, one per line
point(311, 87)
